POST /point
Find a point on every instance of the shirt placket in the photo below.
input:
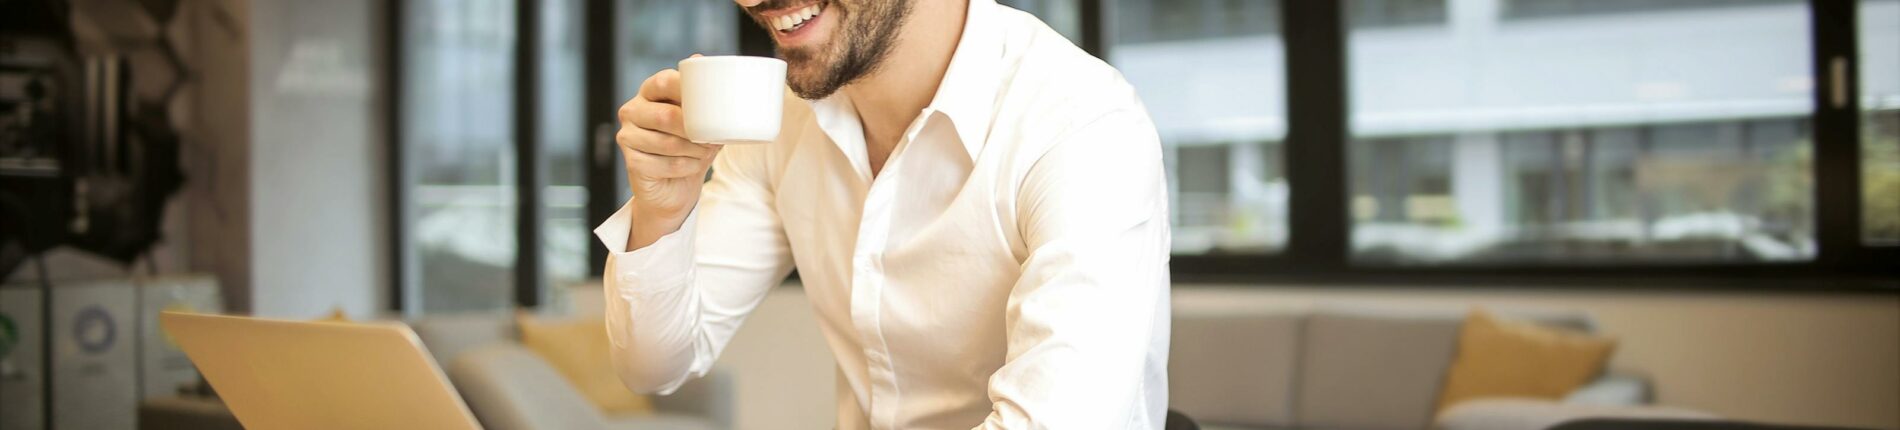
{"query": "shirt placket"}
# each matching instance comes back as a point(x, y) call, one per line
point(867, 291)
point(868, 282)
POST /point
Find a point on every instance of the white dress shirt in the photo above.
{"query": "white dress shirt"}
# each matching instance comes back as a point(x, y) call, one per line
point(1008, 268)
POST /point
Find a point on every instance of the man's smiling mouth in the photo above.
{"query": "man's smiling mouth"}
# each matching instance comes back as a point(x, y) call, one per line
point(788, 22)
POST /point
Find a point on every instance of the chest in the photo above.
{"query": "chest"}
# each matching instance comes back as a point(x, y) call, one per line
point(936, 227)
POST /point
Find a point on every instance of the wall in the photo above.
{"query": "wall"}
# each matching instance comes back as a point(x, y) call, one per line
point(786, 378)
point(1829, 359)
point(217, 153)
point(317, 183)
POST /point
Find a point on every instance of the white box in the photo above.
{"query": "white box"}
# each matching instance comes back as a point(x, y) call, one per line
point(22, 377)
point(95, 363)
point(163, 368)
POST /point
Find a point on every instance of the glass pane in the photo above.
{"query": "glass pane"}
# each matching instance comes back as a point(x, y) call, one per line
point(1212, 75)
point(1580, 131)
point(562, 136)
point(654, 35)
point(1880, 131)
point(458, 155)
point(1065, 16)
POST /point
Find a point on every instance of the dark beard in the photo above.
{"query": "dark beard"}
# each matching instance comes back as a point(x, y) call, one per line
point(868, 33)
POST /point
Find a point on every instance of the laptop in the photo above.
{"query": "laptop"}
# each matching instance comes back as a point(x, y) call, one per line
point(278, 374)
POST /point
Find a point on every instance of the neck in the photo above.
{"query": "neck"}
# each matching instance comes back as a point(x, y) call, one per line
point(890, 98)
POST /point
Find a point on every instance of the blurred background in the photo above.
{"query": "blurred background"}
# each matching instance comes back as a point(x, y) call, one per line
point(1713, 185)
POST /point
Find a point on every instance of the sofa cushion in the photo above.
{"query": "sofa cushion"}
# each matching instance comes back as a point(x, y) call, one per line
point(448, 336)
point(578, 348)
point(1382, 367)
point(662, 422)
point(1499, 358)
point(1512, 413)
point(1373, 369)
point(511, 388)
point(1234, 368)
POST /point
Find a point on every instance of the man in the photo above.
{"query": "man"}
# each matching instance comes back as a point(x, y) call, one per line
point(977, 210)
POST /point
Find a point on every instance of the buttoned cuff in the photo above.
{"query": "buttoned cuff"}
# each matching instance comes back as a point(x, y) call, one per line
point(665, 264)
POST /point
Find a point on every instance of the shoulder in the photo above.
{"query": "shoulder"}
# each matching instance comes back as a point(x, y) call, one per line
point(1055, 92)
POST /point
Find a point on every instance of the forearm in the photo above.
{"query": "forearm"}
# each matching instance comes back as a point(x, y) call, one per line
point(676, 291)
point(648, 227)
point(655, 333)
point(654, 312)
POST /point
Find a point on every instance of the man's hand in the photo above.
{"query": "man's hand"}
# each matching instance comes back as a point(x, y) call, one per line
point(664, 170)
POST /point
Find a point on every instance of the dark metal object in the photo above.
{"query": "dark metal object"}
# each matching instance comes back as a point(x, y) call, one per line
point(528, 177)
point(392, 111)
point(601, 114)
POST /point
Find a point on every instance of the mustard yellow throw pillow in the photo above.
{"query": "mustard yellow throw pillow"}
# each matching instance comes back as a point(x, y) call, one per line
point(579, 350)
point(1520, 359)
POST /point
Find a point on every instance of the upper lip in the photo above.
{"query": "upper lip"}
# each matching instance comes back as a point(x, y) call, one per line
point(775, 13)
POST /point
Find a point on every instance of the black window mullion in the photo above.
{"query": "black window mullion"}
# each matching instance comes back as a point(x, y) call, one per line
point(1316, 94)
point(392, 111)
point(528, 181)
point(601, 119)
point(1094, 33)
point(1837, 163)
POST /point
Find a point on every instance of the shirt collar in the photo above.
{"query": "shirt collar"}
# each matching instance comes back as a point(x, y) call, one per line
point(967, 94)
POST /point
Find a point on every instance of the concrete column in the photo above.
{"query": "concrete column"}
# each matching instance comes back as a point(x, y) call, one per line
point(1478, 175)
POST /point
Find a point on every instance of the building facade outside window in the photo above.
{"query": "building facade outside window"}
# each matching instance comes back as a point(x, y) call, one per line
point(1880, 123)
point(1572, 132)
point(459, 156)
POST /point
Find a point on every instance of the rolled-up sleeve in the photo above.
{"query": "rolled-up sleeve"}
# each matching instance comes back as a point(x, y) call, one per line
point(672, 306)
point(1087, 323)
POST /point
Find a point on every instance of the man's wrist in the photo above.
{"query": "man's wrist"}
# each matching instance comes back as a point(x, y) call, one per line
point(648, 227)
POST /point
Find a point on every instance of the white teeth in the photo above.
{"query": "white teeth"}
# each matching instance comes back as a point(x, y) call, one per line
point(796, 18)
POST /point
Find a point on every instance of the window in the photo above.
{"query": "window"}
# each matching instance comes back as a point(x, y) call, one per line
point(566, 233)
point(1143, 22)
point(1211, 74)
point(1065, 16)
point(1392, 13)
point(1880, 121)
point(1615, 135)
point(1566, 8)
point(1475, 137)
point(654, 35)
point(458, 155)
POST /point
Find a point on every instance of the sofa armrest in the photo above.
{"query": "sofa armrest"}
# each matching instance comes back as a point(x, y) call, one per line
point(711, 397)
point(1614, 388)
point(509, 387)
point(1535, 414)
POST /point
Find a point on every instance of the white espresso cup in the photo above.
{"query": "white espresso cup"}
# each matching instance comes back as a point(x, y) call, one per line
point(732, 99)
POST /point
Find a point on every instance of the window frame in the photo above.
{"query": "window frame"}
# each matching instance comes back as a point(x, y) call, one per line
point(1316, 253)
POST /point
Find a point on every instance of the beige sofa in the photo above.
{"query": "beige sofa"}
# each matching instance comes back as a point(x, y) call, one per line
point(1360, 368)
point(509, 387)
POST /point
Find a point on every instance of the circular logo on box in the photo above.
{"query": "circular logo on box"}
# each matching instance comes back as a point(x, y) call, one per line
point(93, 329)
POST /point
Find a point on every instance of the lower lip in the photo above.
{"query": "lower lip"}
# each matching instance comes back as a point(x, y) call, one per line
point(805, 33)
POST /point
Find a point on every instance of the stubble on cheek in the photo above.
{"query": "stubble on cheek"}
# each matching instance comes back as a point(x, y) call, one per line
point(811, 68)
